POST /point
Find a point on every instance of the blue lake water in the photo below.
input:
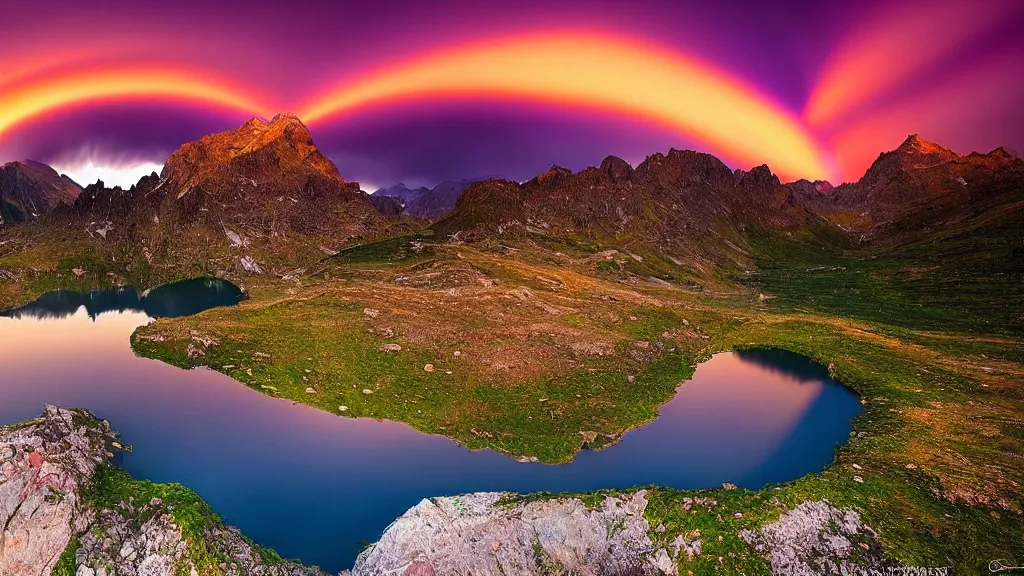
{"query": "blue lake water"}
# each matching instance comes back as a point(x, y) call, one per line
point(317, 486)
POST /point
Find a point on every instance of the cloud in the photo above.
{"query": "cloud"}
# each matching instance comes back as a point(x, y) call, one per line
point(88, 172)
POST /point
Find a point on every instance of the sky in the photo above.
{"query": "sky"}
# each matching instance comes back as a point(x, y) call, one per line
point(418, 92)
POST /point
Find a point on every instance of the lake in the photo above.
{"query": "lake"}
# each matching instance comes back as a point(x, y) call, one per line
point(317, 486)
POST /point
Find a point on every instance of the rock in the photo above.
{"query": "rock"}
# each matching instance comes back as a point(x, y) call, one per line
point(372, 313)
point(631, 379)
point(428, 368)
point(342, 408)
point(390, 347)
point(728, 486)
point(815, 538)
point(155, 547)
point(367, 391)
point(237, 240)
point(856, 467)
point(688, 544)
point(738, 515)
point(479, 534)
point(206, 341)
point(64, 454)
point(78, 272)
point(457, 353)
point(250, 265)
point(858, 479)
point(310, 391)
point(41, 509)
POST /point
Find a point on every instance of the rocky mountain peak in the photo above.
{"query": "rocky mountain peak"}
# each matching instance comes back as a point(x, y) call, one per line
point(553, 178)
point(916, 152)
point(617, 169)
point(909, 158)
point(758, 178)
point(255, 151)
point(686, 166)
point(29, 189)
point(917, 145)
point(1000, 155)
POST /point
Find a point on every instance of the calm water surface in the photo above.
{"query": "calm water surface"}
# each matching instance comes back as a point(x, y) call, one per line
point(316, 486)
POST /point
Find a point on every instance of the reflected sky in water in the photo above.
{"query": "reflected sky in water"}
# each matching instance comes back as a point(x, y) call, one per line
point(315, 486)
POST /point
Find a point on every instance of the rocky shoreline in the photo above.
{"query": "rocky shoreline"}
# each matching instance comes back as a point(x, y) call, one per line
point(65, 510)
point(44, 465)
point(50, 469)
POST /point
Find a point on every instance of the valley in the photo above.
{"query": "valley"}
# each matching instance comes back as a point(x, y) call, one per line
point(540, 318)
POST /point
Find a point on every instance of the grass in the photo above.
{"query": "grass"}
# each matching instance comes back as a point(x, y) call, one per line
point(966, 280)
point(66, 565)
point(34, 261)
point(114, 489)
point(493, 394)
point(940, 377)
point(558, 346)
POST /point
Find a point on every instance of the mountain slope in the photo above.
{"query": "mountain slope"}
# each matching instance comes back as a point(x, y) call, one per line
point(690, 207)
point(430, 203)
point(917, 187)
point(30, 189)
point(684, 208)
point(262, 193)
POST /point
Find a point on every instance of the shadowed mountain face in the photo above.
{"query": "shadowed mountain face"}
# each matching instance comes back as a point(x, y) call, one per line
point(30, 189)
point(388, 206)
point(249, 197)
point(430, 203)
point(690, 205)
point(684, 206)
point(264, 198)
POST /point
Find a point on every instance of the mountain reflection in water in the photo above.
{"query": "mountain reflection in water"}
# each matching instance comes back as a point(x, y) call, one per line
point(182, 298)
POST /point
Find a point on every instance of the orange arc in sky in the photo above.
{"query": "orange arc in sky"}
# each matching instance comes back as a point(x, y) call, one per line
point(599, 72)
point(48, 94)
point(895, 44)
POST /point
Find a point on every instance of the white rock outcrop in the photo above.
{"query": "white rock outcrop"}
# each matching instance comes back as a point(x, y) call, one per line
point(44, 462)
point(483, 534)
point(44, 465)
point(817, 539)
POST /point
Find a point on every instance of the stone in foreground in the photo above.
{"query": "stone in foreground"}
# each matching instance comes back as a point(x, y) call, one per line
point(46, 467)
point(483, 534)
point(44, 463)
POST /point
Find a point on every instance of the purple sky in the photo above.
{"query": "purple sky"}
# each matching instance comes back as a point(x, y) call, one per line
point(289, 50)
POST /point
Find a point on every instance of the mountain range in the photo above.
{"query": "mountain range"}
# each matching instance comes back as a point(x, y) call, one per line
point(429, 203)
point(260, 192)
point(264, 197)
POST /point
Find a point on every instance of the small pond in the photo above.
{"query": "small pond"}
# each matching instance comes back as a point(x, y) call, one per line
point(316, 486)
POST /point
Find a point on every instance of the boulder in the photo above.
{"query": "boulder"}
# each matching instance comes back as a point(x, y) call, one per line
point(45, 462)
point(492, 533)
